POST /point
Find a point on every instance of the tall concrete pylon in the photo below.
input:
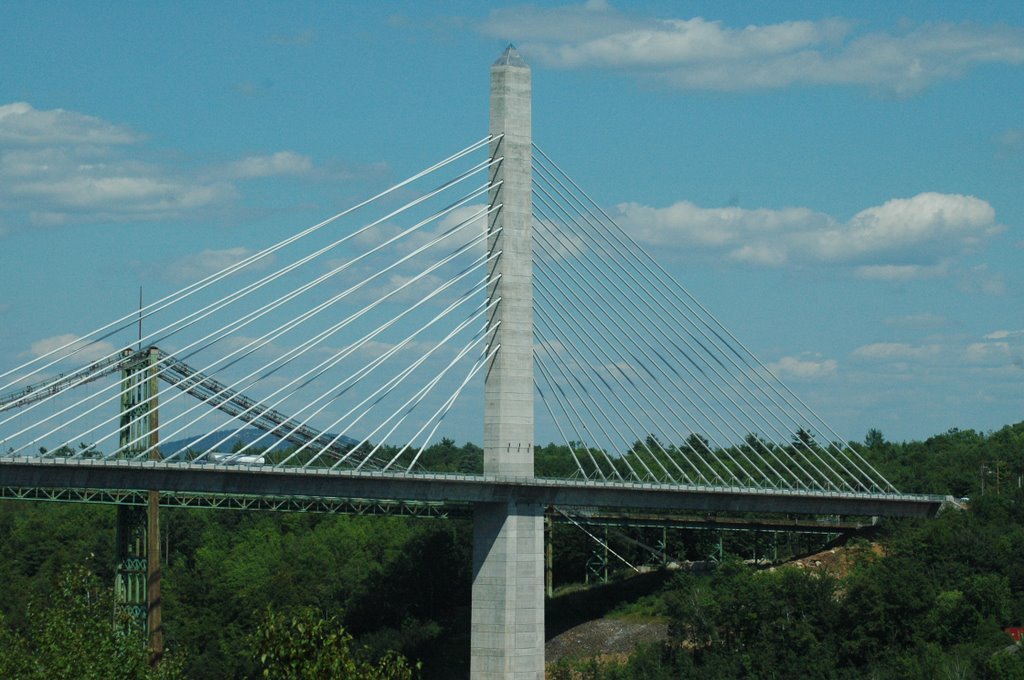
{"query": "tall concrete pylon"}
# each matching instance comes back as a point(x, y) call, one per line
point(507, 635)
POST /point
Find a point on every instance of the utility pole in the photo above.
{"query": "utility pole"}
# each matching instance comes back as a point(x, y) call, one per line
point(154, 623)
point(549, 556)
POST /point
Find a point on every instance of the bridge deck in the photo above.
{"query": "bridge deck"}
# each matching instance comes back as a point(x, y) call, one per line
point(447, 488)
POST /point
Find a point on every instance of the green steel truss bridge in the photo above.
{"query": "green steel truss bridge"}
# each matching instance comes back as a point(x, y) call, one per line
point(488, 289)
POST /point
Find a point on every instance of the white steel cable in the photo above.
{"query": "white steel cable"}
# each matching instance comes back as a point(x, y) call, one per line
point(583, 309)
point(412, 402)
point(368, 368)
point(576, 386)
point(740, 392)
point(574, 420)
point(266, 339)
point(390, 385)
point(365, 370)
point(805, 447)
point(639, 323)
point(256, 344)
point(572, 381)
point(540, 288)
point(196, 316)
point(281, 330)
point(188, 290)
point(572, 348)
point(604, 415)
point(643, 442)
point(352, 317)
point(569, 319)
point(266, 308)
point(653, 323)
point(849, 454)
point(597, 540)
point(558, 425)
point(641, 300)
point(483, 361)
point(323, 335)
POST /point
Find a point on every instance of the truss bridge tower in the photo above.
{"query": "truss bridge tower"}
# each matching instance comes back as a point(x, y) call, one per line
point(137, 573)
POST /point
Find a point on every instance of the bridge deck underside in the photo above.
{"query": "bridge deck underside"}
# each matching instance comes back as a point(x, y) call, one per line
point(447, 488)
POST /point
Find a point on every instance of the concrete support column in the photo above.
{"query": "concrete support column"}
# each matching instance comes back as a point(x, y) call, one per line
point(507, 638)
point(508, 390)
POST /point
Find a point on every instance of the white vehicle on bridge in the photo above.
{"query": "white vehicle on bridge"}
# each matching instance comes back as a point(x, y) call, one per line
point(221, 458)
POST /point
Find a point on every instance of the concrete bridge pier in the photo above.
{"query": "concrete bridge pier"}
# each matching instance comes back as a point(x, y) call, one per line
point(508, 591)
point(507, 634)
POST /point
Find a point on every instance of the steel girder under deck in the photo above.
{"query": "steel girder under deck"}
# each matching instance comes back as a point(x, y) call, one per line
point(330, 506)
point(214, 480)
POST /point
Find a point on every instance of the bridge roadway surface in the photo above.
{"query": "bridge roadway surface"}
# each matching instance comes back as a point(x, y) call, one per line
point(446, 488)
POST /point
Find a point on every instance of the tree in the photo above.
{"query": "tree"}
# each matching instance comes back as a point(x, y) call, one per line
point(306, 645)
point(71, 636)
point(874, 439)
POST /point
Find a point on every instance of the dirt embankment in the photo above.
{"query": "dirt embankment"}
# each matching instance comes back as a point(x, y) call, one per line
point(607, 639)
point(838, 562)
point(613, 639)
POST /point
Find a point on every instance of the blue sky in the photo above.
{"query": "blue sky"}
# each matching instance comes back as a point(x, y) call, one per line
point(840, 184)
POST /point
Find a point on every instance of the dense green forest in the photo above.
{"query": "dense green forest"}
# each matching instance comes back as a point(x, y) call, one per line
point(256, 594)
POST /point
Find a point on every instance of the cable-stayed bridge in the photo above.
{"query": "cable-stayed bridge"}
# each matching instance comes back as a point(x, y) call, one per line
point(487, 295)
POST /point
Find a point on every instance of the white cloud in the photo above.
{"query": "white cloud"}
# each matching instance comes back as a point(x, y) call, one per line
point(116, 194)
point(1002, 335)
point(803, 368)
point(895, 351)
point(248, 88)
point(902, 272)
point(75, 168)
point(373, 349)
point(470, 221)
point(979, 280)
point(299, 39)
point(22, 124)
point(62, 167)
point(917, 320)
point(546, 28)
point(925, 225)
point(1012, 139)
point(293, 164)
point(405, 288)
point(621, 370)
point(86, 351)
point(551, 348)
point(987, 352)
point(716, 227)
point(697, 53)
point(905, 222)
point(245, 343)
point(556, 242)
point(1001, 348)
point(273, 165)
point(200, 265)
